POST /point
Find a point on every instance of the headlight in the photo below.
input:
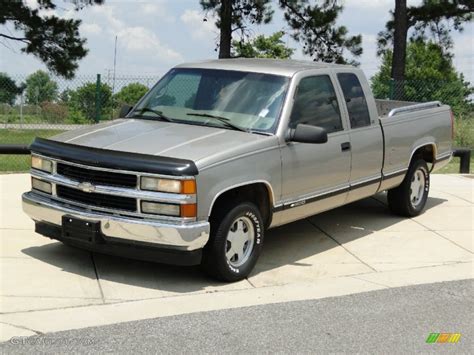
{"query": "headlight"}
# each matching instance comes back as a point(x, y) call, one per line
point(168, 185)
point(41, 164)
point(41, 185)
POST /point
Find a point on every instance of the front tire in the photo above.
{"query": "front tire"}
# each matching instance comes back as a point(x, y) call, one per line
point(409, 199)
point(235, 242)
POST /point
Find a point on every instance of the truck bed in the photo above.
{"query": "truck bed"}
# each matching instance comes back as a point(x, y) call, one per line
point(407, 126)
point(389, 108)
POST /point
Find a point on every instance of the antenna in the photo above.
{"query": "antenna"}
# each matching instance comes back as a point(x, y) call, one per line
point(115, 63)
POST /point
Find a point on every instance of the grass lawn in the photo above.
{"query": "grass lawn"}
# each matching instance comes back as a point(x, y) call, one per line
point(14, 118)
point(453, 166)
point(20, 163)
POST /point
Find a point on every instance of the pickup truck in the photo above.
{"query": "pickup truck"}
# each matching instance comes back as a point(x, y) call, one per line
point(218, 152)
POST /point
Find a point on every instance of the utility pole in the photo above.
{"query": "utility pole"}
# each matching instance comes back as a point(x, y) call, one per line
point(109, 71)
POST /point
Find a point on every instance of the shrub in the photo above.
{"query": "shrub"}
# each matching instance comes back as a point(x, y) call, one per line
point(130, 94)
point(83, 100)
point(54, 113)
point(29, 109)
point(40, 88)
point(464, 132)
point(77, 117)
point(5, 109)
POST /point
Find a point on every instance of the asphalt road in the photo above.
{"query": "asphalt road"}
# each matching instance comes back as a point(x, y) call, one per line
point(395, 320)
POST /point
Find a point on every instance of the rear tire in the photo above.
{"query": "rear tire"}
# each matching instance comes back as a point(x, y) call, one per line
point(409, 199)
point(235, 242)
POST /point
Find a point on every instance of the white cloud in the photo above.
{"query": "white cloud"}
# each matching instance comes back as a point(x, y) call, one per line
point(199, 29)
point(48, 13)
point(32, 4)
point(369, 61)
point(150, 9)
point(156, 9)
point(371, 4)
point(90, 29)
point(107, 13)
point(464, 44)
point(140, 39)
point(135, 38)
point(464, 53)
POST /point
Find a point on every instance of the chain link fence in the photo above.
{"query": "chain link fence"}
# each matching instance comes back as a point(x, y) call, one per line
point(27, 102)
point(39, 105)
point(457, 94)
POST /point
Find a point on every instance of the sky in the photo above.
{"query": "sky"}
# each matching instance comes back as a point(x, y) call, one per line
point(153, 36)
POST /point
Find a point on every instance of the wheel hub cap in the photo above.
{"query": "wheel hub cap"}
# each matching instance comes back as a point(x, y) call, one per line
point(417, 188)
point(240, 241)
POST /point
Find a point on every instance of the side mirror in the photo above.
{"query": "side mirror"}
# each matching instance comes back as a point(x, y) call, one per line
point(125, 110)
point(304, 133)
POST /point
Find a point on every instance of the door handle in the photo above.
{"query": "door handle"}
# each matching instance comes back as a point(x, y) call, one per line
point(345, 146)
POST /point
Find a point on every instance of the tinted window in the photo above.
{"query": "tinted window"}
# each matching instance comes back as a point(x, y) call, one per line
point(180, 91)
point(355, 100)
point(247, 100)
point(316, 104)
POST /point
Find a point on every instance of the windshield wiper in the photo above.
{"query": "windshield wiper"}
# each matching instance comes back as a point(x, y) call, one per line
point(263, 133)
point(221, 119)
point(158, 114)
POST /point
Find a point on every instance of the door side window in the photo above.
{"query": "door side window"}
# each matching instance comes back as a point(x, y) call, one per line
point(355, 100)
point(316, 104)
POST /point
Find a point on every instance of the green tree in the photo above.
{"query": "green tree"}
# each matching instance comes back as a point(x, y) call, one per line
point(315, 27)
point(130, 94)
point(263, 47)
point(83, 100)
point(65, 96)
point(40, 88)
point(235, 16)
point(8, 89)
point(54, 40)
point(430, 20)
point(430, 75)
point(312, 25)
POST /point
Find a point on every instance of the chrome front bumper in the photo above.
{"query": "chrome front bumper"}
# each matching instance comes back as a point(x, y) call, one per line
point(185, 236)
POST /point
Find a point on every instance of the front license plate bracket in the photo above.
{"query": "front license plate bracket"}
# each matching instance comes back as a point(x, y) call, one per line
point(81, 229)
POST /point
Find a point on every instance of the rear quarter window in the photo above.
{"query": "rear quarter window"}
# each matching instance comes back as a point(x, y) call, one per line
point(355, 100)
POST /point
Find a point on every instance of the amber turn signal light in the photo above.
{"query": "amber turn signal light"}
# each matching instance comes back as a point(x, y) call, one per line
point(188, 186)
point(189, 210)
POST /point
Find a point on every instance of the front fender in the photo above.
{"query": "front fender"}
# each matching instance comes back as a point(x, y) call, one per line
point(259, 167)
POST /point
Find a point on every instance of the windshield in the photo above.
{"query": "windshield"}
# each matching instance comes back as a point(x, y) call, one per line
point(221, 98)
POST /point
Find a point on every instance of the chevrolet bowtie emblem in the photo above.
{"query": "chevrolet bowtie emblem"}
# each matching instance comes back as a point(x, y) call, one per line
point(86, 187)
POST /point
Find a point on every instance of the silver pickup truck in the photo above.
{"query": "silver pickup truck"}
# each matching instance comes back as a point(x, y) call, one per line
point(218, 152)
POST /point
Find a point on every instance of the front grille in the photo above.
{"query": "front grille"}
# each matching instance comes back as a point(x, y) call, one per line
point(98, 177)
point(98, 200)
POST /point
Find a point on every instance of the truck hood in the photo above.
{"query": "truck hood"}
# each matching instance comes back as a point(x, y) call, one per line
point(203, 145)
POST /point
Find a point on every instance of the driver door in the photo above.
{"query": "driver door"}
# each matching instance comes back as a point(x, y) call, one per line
point(315, 177)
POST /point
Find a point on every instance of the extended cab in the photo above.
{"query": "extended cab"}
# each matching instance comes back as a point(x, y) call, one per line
point(218, 152)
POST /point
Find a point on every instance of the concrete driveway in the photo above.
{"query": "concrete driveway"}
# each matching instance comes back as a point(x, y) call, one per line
point(46, 286)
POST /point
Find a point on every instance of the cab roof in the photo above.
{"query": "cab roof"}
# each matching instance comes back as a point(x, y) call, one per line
point(267, 66)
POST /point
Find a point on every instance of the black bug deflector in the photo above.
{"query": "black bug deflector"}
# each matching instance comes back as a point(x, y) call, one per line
point(113, 159)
